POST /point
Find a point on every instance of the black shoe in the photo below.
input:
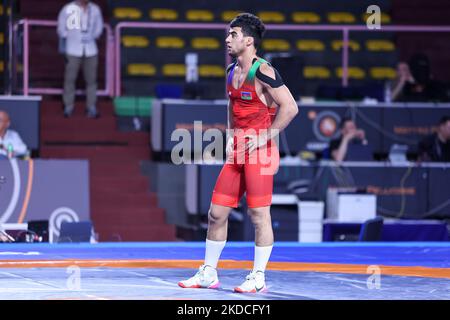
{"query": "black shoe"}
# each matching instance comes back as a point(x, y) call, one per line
point(92, 114)
point(67, 114)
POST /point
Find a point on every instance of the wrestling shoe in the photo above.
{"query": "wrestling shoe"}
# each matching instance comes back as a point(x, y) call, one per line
point(206, 277)
point(254, 282)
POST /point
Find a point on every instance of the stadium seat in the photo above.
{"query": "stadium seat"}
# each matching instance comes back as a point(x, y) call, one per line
point(353, 73)
point(385, 18)
point(133, 106)
point(211, 71)
point(199, 15)
point(75, 232)
point(167, 90)
point(163, 14)
point(271, 16)
point(174, 70)
point(380, 73)
point(145, 106)
point(125, 106)
point(229, 15)
point(127, 13)
point(2, 11)
point(205, 43)
point(135, 41)
point(169, 42)
point(341, 17)
point(372, 230)
point(275, 45)
point(305, 17)
point(141, 69)
point(316, 72)
point(2, 38)
point(310, 45)
point(380, 45)
point(336, 45)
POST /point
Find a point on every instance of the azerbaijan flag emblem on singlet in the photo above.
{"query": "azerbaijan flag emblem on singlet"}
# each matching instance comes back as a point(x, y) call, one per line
point(246, 95)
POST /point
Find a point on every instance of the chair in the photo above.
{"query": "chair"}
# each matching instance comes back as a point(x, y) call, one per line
point(199, 15)
point(205, 43)
point(229, 15)
point(382, 73)
point(168, 91)
point(163, 14)
point(380, 45)
point(141, 69)
point(127, 13)
point(169, 42)
point(216, 71)
point(371, 230)
point(174, 70)
point(135, 41)
point(305, 17)
point(272, 16)
point(352, 72)
point(385, 18)
point(75, 232)
point(310, 45)
point(276, 45)
point(341, 17)
point(316, 72)
point(337, 45)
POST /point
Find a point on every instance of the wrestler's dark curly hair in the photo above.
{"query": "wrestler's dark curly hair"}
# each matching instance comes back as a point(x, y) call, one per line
point(251, 26)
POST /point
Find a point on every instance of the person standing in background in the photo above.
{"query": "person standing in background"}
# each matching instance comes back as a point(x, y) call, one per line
point(80, 24)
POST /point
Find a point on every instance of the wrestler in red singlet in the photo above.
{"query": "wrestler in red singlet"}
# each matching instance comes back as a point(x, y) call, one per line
point(244, 172)
point(260, 106)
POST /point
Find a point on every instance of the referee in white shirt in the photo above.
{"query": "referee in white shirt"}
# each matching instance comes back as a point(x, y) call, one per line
point(80, 23)
point(11, 145)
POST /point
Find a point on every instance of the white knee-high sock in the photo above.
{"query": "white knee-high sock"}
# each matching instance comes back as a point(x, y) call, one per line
point(213, 251)
point(262, 255)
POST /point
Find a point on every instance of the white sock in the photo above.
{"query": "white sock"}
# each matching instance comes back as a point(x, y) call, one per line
point(213, 251)
point(262, 255)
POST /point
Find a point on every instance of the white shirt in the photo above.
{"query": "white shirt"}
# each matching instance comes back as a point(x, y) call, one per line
point(13, 138)
point(80, 28)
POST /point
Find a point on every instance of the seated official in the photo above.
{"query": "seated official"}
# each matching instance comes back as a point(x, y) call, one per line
point(436, 146)
point(420, 85)
point(403, 78)
point(352, 144)
point(11, 145)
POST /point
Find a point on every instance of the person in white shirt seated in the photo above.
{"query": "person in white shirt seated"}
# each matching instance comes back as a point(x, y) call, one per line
point(11, 145)
point(80, 24)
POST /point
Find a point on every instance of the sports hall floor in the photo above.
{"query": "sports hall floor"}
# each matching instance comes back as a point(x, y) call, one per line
point(368, 271)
